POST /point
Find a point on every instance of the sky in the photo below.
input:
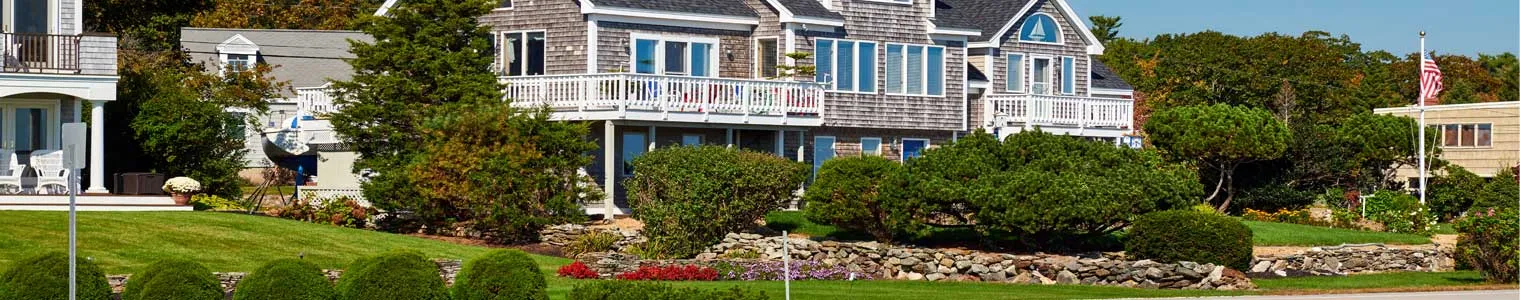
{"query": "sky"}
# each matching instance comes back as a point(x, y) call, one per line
point(1465, 27)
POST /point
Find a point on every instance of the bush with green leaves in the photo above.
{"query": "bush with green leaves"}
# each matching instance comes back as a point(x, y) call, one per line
point(500, 275)
point(593, 241)
point(1182, 235)
point(1453, 192)
point(174, 279)
point(689, 197)
point(1399, 212)
point(630, 290)
point(859, 193)
point(282, 279)
point(1219, 138)
point(213, 202)
point(1045, 189)
point(46, 277)
point(1272, 197)
point(395, 275)
point(1499, 192)
point(1489, 241)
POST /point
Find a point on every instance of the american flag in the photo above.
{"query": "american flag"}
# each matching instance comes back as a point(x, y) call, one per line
point(1430, 80)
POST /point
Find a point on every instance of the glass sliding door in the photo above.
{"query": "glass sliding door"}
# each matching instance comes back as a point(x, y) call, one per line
point(32, 129)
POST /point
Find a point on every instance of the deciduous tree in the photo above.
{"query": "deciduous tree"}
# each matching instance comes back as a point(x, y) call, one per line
point(1219, 138)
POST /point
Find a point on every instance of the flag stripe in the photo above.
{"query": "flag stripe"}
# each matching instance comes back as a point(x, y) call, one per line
point(1430, 81)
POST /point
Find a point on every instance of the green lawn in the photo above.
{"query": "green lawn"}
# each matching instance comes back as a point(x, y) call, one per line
point(1443, 228)
point(1374, 281)
point(1284, 234)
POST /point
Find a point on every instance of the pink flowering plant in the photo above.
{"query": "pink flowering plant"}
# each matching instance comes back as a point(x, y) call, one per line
point(774, 270)
point(1489, 241)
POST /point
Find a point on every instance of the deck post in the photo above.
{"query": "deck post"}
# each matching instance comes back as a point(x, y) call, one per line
point(728, 138)
point(609, 170)
point(97, 148)
point(801, 142)
point(781, 143)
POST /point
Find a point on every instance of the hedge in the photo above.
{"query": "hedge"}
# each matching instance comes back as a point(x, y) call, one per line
point(1489, 241)
point(46, 277)
point(392, 276)
point(285, 279)
point(1185, 235)
point(859, 193)
point(501, 275)
point(689, 197)
point(174, 279)
point(621, 290)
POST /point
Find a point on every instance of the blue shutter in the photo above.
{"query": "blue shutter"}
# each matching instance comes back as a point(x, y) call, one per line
point(1015, 71)
point(823, 60)
point(845, 78)
point(867, 67)
point(699, 59)
point(644, 56)
point(936, 71)
point(894, 69)
point(915, 70)
point(1068, 75)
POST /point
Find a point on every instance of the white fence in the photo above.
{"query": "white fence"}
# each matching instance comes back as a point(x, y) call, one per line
point(315, 100)
point(1079, 112)
point(665, 93)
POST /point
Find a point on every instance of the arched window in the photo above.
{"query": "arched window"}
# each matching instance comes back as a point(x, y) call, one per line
point(1040, 27)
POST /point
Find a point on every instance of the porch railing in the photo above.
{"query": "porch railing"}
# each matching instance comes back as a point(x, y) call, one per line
point(1062, 110)
point(39, 53)
point(315, 100)
point(665, 93)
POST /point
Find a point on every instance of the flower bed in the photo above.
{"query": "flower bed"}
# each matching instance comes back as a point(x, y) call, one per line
point(671, 273)
point(774, 270)
point(577, 270)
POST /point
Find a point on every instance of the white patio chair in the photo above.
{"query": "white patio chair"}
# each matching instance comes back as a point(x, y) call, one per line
point(52, 177)
point(10, 175)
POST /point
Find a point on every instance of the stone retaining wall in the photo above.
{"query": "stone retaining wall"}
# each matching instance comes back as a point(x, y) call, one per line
point(564, 234)
point(1352, 260)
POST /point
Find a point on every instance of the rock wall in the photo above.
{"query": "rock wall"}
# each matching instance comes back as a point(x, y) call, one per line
point(1321, 261)
point(447, 269)
point(564, 234)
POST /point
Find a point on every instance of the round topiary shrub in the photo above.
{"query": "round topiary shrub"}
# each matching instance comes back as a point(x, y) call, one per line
point(285, 279)
point(392, 276)
point(500, 275)
point(46, 277)
point(1184, 235)
point(860, 193)
point(174, 279)
point(689, 197)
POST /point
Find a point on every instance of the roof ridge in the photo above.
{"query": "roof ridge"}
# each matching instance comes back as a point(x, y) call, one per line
point(270, 30)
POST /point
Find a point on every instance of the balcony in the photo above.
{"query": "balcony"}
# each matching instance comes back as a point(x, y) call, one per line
point(646, 97)
point(1084, 116)
point(35, 53)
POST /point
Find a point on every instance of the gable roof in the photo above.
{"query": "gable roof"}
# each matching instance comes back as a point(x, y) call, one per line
point(1105, 78)
point(808, 8)
point(989, 16)
point(306, 58)
point(735, 8)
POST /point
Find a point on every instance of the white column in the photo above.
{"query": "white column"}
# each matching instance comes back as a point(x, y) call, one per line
point(728, 138)
point(801, 142)
point(97, 148)
point(651, 138)
point(610, 172)
point(781, 143)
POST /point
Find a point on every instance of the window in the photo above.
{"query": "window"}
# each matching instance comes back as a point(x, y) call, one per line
point(848, 65)
point(767, 57)
point(238, 62)
point(1040, 28)
point(523, 53)
point(915, 70)
point(1467, 135)
point(870, 146)
point(1041, 75)
point(823, 150)
point(504, 4)
point(913, 148)
point(1068, 75)
point(633, 147)
point(691, 139)
point(1015, 71)
point(674, 56)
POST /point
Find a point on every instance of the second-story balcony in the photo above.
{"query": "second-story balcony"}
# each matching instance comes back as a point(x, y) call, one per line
point(647, 97)
point(38, 53)
point(1087, 116)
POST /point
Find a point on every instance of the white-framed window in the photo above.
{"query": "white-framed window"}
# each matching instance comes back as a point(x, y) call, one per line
point(915, 69)
point(237, 53)
point(522, 52)
point(1068, 75)
point(913, 148)
point(1041, 75)
point(238, 62)
point(689, 56)
point(1040, 28)
point(1475, 135)
point(870, 146)
point(849, 65)
point(504, 4)
point(1014, 73)
point(767, 57)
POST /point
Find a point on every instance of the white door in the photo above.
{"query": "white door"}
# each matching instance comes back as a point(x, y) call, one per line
point(1041, 76)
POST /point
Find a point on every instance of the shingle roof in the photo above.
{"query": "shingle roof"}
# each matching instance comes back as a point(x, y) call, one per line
point(1103, 77)
point(735, 8)
point(972, 73)
point(809, 8)
point(306, 58)
point(989, 16)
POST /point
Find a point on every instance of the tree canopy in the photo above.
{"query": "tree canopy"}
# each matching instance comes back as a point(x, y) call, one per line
point(1220, 138)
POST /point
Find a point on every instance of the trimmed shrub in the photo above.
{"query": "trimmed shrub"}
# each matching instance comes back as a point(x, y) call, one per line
point(689, 197)
point(1500, 192)
point(46, 277)
point(629, 290)
point(1490, 243)
point(1453, 193)
point(396, 275)
point(593, 241)
point(285, 279)
point(174, 279)
point(1400, 212)
point(859, 193)
point(500, 275)
point(1181, 235)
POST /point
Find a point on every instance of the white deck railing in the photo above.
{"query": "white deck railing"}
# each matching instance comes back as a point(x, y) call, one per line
point(1079, 112)
point(664, 93)
point(315, 100)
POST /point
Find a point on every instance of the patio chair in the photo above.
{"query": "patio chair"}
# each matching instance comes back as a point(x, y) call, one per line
point(52, 177)
point(10, 176)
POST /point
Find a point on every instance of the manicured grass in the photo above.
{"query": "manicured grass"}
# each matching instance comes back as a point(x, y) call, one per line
point(1443, 228)
point(795, 222)
point(1374, 281)
point(884, 289)
point(1284, 234)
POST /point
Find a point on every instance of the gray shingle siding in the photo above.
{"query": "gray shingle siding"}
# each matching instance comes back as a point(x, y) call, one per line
point(564, 31)
point(97, 55)
point(67, 16)
point(614, 41)
point(1074, 46)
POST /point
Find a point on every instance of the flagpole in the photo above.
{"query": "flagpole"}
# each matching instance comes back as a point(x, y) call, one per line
point(1420, 69)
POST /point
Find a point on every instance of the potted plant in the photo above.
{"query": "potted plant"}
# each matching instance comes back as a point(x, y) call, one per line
point(182, 188)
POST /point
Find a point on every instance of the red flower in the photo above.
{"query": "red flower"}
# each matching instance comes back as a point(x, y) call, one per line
point(577, 270)
point(671, 273)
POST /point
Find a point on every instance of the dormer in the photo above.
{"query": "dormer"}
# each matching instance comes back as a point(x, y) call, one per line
point(237, 53)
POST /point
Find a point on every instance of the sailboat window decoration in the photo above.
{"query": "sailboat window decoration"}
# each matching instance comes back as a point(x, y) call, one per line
point(1040, 27)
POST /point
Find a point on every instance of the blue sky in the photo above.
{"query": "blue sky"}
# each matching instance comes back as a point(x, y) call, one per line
point(1453, 26)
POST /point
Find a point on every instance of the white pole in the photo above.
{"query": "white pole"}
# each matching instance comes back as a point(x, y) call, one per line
point(1421, 100)
point(786, 263)
point(73, 233)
